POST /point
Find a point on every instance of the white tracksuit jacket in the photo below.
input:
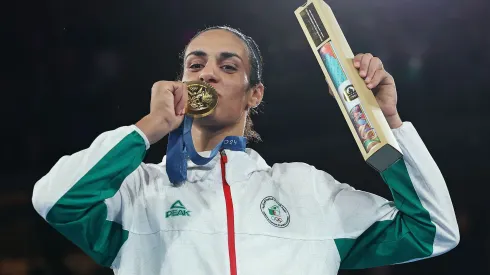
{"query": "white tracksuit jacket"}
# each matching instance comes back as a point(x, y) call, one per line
point(246, 219)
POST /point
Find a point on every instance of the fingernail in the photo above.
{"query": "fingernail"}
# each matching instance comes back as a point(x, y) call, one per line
point(368, 79)
point(356, 64)
point(363, 73)
point(370, 86)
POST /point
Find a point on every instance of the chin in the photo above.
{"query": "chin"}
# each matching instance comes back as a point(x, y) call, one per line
point(213, 122)
point(209, 121)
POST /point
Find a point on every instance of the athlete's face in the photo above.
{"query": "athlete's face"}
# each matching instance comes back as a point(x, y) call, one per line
point(221, 59)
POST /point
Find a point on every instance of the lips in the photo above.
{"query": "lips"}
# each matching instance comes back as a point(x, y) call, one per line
point(217, 91)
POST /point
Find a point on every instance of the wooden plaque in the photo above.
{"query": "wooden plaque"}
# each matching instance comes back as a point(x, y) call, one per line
point(361, 111)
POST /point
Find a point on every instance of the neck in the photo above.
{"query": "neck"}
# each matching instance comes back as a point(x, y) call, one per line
point(206, 138)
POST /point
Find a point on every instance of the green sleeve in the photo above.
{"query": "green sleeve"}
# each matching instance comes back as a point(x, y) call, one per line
point(72, 196)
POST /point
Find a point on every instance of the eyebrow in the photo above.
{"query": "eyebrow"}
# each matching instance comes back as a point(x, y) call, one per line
point(222, 55)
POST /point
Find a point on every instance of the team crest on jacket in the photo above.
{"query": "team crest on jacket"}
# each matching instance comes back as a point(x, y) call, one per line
point(274, 212)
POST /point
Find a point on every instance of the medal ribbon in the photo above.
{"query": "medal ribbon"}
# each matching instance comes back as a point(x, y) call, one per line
point(180, 147)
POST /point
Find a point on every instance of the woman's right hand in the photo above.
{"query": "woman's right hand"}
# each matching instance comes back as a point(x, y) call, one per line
point(167, 110)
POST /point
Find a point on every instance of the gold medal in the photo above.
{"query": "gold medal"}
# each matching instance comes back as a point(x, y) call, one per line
point(202, 99)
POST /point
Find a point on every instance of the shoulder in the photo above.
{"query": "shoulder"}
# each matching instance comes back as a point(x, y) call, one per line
point(289, 170)
point(303, 180)
point(310, 178)
point(143, 175)
point(300, 171)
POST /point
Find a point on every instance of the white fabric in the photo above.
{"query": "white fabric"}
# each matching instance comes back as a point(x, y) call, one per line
point(320, 209)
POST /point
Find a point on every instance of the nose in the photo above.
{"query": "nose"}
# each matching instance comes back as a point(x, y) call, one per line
point(208, 75)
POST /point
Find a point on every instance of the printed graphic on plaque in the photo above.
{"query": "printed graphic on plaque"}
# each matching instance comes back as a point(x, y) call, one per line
point(314, 24)
point(366, 133)
point(332, 64)
point(349, 97)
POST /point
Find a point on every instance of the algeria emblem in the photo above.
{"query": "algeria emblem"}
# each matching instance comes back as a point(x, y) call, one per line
point(274, 212)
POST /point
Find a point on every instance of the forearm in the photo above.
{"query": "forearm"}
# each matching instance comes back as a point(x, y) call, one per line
point(71, 197)
point(153, 127)
point(420, 192)
point(419, 223)
point(394, 121)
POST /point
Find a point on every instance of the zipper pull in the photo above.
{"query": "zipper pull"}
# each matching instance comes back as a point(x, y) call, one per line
point(224, 157)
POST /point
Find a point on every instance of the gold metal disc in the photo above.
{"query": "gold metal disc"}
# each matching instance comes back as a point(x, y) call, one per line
point(202, 99)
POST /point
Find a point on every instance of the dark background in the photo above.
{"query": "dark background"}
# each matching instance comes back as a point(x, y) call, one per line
point(74, 69)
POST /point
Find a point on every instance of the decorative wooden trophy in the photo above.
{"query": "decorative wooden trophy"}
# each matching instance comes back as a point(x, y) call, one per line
point(361, 111)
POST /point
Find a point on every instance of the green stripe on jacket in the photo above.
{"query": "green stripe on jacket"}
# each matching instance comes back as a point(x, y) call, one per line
point(410, 235)
point(81, 214)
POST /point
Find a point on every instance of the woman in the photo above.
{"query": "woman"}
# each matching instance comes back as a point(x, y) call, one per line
point(235, 214)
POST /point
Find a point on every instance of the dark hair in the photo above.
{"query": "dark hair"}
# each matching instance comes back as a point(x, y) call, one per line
point(256, 65)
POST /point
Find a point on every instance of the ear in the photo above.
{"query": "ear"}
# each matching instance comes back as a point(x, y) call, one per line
point(256, 95)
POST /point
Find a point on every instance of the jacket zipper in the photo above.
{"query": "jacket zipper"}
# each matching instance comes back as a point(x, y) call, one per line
point(229, 215)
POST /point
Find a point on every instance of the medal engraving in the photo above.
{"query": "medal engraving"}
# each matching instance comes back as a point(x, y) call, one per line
point(202, 99)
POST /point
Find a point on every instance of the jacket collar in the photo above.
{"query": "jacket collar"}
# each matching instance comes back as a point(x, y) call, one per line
point(239, 168)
